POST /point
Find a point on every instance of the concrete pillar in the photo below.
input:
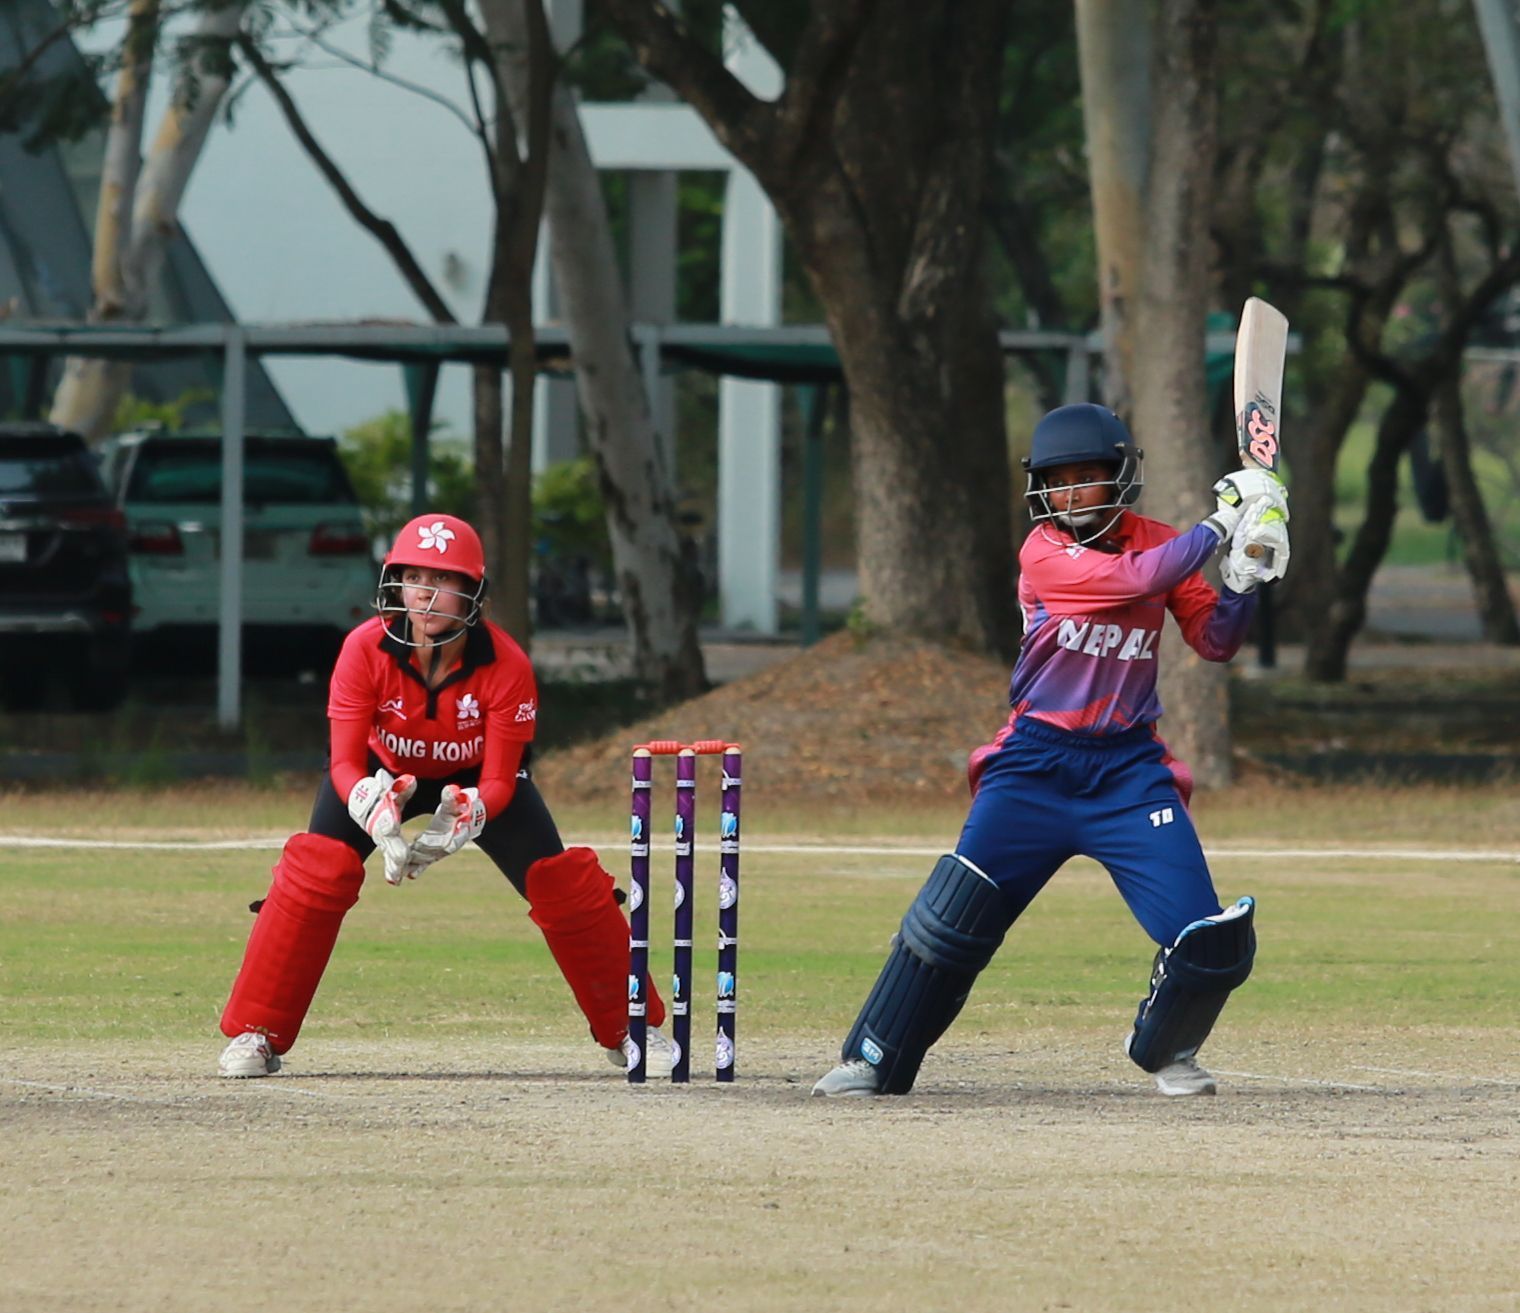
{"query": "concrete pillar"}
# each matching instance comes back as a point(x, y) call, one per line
point(749, 414)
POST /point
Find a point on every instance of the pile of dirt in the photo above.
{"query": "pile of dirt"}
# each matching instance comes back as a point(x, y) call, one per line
point(846, 721)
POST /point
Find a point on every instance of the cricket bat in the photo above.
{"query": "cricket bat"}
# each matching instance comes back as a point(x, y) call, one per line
point(1261, 348)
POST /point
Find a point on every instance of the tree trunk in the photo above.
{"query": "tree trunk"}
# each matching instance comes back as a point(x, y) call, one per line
point(1480, 555)
point(1171, 404)
point(490, 485)
point(1307, 594)
point(516, 595)
point(1114, 46)
point(878, 165)
point(660, 599)
point(90, 387)
point(519, 147)
point(1329, 645)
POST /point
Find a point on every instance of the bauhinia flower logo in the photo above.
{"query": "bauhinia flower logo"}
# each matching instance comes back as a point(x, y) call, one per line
point(468, 708)
point(435, 537)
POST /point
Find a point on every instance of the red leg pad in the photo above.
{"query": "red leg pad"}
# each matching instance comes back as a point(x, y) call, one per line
point(316, 881)
point(570, 900)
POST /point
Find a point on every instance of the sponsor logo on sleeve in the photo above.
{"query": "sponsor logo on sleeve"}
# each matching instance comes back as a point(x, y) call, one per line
point(527, 712)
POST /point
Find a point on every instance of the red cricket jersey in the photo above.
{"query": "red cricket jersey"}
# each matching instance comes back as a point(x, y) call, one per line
point(482, 715)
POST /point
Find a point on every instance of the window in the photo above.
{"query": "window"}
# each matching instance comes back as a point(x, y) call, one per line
point(282, 472)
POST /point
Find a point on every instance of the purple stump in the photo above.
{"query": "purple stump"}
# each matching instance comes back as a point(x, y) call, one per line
point(685, 895)
point(728, 914)
point(638, 911)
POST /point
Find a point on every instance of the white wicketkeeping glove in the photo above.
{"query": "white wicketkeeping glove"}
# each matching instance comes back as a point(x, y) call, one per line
point(1259, 549)
point(375, 803)
point(1238, 492)
point(460, 817)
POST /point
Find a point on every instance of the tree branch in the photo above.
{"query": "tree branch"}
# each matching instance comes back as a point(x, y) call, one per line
point(375, 71)
point(665, 47)
point(382, 230)
point(817, 74)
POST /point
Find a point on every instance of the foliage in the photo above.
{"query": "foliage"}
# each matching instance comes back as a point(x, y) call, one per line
point(134, 412)
point(568, 519)
point(567, 505)
point(378, 454)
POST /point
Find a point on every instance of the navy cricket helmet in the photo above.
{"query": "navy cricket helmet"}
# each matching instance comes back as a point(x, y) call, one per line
point(1080, 434)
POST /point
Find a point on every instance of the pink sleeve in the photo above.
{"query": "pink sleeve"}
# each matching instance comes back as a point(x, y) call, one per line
point(1066, 580)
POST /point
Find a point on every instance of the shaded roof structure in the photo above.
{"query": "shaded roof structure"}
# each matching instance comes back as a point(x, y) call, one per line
point(47, 207)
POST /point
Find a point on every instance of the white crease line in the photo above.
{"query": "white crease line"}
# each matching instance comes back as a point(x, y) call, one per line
point(797, 849)
point(1302, 1080)
point(1442, 1076)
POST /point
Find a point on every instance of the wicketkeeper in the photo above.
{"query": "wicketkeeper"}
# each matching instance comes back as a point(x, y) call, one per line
point(1079, 768)
point(432, 709)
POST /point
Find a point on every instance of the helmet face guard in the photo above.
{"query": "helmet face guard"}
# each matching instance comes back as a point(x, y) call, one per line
point(397, 617)
point(431, 542)
point(1079, 435)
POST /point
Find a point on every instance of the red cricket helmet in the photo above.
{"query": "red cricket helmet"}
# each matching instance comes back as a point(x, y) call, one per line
point(431, 542)
point(439, 542)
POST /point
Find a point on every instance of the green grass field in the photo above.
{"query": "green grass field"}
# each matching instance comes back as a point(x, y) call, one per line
point(444, 1136)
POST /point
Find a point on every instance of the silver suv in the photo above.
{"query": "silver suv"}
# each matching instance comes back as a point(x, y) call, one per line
point(308, 567)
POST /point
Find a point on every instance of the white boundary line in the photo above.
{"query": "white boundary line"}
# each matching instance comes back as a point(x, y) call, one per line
point(256, 844)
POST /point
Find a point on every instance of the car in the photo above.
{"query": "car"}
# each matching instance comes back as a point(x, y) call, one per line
point(309, 571)
point(65, 593)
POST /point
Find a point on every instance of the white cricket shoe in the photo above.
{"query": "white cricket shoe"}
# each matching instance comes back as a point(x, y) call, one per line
point(249, 1054)
point(853, 1079)
point(660, 1054)
point(1184, 1077)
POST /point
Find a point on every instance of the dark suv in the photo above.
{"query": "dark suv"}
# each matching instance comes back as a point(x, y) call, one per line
point(65, 601)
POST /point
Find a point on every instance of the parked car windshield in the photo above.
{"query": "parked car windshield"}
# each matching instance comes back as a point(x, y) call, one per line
point(291, 473)
point(46, 467)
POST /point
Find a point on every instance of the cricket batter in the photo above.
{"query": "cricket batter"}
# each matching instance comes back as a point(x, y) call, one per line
point(431, 708)
point(1079, 767)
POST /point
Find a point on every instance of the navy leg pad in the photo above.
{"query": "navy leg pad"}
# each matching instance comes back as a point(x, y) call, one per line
point(1190, 982)
point(949, 934)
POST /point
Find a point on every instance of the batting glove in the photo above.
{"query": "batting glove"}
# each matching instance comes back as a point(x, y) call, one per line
point(375, 803)
point(1259, 549)
point(1236, 493)
point(460, 817)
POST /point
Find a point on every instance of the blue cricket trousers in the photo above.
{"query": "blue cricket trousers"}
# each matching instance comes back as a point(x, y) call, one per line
point(1048, 795)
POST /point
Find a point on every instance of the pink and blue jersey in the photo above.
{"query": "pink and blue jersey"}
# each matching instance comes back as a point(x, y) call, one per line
point(1093, 621)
